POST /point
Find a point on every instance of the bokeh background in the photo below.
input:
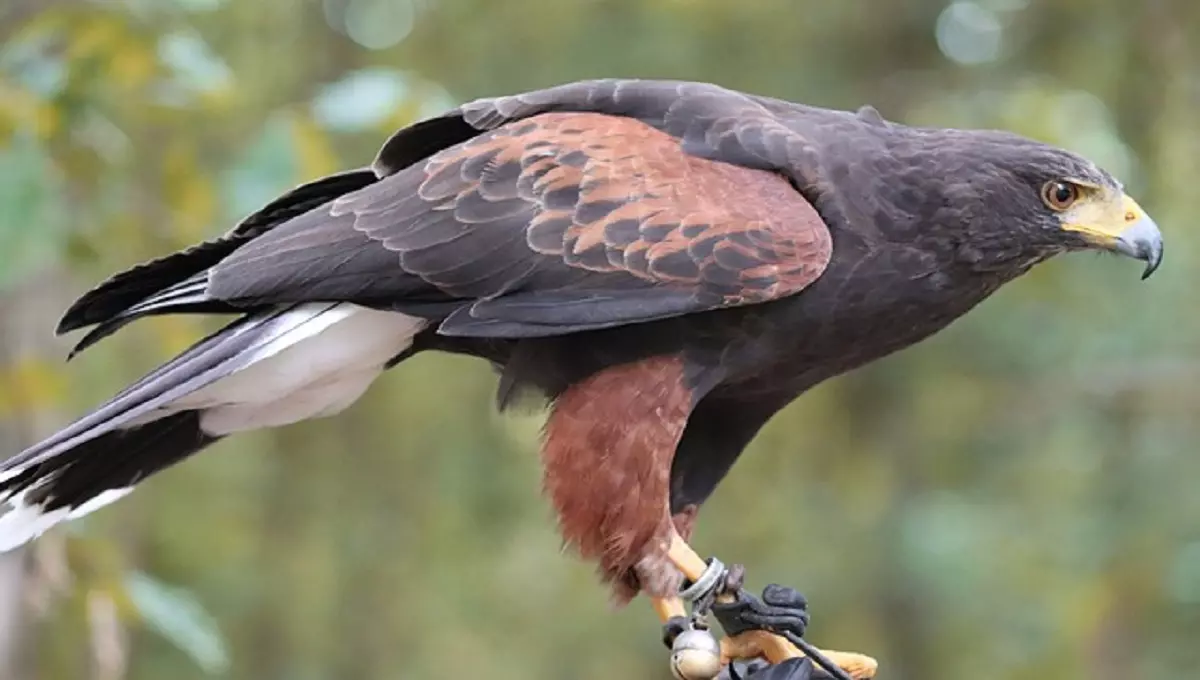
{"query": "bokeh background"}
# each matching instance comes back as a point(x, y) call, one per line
point(1015, 498)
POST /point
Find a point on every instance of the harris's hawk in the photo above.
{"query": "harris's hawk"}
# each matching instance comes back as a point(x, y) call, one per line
point(668, 263)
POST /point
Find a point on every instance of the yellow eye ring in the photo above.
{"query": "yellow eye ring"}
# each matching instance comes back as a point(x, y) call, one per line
point(1060, 195)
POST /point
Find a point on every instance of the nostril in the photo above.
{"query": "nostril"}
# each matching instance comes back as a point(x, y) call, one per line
point(1130, 216)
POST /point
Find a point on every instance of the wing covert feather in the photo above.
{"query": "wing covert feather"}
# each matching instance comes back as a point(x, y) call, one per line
point(554, 223)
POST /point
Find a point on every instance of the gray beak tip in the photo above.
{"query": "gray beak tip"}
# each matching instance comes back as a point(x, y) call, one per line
point(1151, 267)
point(1142, 240)
point(1152, 253)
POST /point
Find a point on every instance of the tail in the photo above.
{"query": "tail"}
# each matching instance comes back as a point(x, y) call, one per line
point(265, 369)
point(92, 474)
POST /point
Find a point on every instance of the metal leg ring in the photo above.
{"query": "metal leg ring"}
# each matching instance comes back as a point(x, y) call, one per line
point(705, 589)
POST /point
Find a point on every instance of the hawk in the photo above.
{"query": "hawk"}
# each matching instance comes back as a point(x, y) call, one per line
point(667, 263)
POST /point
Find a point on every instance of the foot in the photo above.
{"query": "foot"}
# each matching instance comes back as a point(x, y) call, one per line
point(772, 628)
point(780, 609)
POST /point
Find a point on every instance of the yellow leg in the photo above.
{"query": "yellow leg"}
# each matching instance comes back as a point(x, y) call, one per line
point(668, 607)
point(759, 643)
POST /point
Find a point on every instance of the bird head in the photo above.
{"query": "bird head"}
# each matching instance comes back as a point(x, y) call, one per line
point(1100, 215)
point(1008, 201)
point(1045, 200)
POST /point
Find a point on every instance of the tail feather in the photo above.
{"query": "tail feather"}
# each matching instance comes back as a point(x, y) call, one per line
point(205, 362)
point(154, 423)
point(245, 341)
point(94, 474)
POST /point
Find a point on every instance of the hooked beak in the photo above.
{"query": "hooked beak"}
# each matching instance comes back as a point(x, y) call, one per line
point(1141, 239)
point(1131, 233)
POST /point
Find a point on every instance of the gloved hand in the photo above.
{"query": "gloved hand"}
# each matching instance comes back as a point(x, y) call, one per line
point(780, 609)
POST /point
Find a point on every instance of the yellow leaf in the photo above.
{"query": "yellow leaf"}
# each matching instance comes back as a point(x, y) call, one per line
point(8, 126)
point(314, 153)
point(91, 36)
point(22, 109)
point(47, 120)
point(11, 116)
point(175, 333)
point(30, 384)
point(189, 192)
point(132, 66)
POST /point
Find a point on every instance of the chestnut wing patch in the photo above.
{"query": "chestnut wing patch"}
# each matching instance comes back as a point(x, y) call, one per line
point(557, 223)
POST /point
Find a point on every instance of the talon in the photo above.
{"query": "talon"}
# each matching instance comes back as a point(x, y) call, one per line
point(780, 609)
point(750, 624)
point(735, 578)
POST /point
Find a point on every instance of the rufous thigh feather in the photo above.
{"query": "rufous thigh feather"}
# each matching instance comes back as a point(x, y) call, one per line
point(607, 452)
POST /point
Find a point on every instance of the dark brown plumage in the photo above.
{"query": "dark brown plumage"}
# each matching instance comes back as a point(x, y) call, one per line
point(566, 222)
point(669, 263)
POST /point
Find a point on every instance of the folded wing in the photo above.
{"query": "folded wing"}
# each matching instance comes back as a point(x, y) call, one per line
point(558, 223)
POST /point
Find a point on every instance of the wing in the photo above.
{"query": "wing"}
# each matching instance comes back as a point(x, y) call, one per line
point(118, 293)
point(552, 224)
point(126, 296)
point(710, 121)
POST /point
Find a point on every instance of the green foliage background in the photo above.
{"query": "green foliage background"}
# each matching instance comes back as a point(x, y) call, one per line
point(1015, 498)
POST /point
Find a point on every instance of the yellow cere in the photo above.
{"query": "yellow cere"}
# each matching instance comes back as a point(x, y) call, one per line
point(1102, 214)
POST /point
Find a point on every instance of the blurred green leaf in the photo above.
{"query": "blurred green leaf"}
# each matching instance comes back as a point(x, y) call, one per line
point(32, 220)
point(361, 99)
point(264, 169)
point(175, 614)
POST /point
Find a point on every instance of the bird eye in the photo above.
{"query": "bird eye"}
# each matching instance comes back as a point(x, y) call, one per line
point(1060, 195)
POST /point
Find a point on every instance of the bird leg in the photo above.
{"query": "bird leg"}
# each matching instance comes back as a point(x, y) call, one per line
point(744, 641)
point(669, 608)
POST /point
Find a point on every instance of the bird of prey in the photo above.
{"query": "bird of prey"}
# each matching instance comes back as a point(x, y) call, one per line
point(667, 263)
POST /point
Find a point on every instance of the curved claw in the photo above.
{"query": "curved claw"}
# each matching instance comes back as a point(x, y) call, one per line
point(781, 609)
